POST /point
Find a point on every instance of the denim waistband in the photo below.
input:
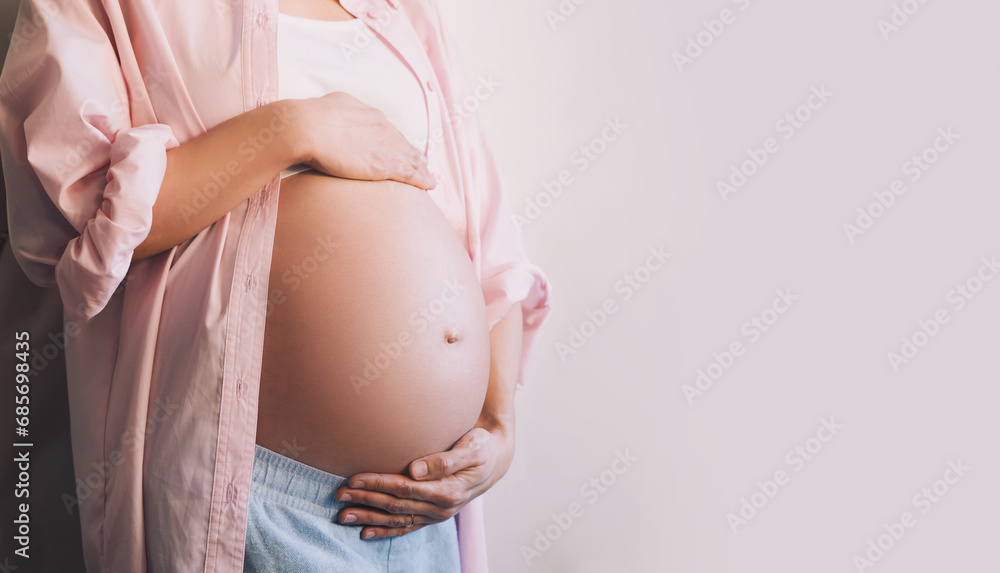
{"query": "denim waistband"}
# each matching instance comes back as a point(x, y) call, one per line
point(293, 483)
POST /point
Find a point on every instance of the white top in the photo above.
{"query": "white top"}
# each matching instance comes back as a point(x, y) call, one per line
point(317, 57)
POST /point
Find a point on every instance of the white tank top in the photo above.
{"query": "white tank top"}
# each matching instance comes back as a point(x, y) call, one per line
point(316, 57)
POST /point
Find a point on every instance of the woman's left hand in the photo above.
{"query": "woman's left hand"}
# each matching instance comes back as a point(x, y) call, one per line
point(441, 485)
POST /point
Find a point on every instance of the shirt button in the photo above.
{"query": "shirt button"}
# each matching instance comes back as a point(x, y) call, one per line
point(438, 176)
point(249, 282)
point(239, 388)
point(229, 492)
point(430, 85)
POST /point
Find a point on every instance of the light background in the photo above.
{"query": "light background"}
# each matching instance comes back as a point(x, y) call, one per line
point(825, 357)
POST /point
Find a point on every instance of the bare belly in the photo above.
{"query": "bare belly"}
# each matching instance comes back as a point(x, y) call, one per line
point(376, 345)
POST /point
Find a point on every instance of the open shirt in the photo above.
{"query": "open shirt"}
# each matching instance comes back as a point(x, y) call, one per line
point(163, 355)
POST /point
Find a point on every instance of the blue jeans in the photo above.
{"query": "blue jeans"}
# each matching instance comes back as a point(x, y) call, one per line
point(292, 526)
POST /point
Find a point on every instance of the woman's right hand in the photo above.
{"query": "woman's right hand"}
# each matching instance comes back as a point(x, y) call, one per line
point(344, 137)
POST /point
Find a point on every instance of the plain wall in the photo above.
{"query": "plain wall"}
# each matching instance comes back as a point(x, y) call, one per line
point(826, 361)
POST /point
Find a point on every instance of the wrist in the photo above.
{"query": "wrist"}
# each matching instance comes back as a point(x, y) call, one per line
point(298, 143)
point(502, 431)
point(496, 424)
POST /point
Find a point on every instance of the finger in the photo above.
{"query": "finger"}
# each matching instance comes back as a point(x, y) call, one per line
point(369, 533)
point(363, 501)
point(467, 452)
point(410, 169)
point(437, 492)
point(366, 516)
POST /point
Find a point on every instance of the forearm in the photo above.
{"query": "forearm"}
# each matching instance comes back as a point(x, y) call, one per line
point(210, 175)
point(505, 363)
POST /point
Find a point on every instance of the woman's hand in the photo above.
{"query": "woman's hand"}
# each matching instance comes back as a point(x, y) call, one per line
point(441, 485)
point(344, 137)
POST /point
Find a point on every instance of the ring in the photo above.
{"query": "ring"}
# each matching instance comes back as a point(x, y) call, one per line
point(411, 521)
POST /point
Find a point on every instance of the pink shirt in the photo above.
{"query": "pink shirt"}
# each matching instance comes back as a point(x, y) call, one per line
point(163, 356)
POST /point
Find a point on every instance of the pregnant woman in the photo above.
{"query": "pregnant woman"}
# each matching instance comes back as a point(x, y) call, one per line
point(296, 304)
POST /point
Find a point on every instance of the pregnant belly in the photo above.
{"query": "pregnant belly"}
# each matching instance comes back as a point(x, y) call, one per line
point(376, 345)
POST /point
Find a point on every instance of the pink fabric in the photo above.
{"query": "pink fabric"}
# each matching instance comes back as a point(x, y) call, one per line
point(163, 356)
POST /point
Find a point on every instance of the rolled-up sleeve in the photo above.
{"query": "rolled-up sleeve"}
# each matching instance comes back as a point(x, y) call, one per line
point(508, 277)
point(81, 178)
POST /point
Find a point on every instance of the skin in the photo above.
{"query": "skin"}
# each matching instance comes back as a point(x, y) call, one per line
point(338, 135)
point(439, 485)
point(442, 484)
point(387, 252)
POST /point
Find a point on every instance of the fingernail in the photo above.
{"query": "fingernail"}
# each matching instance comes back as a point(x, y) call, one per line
point(420, 469)
point(358, 484)
point(369, 535)
point(350, 518)
point(345, 497)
